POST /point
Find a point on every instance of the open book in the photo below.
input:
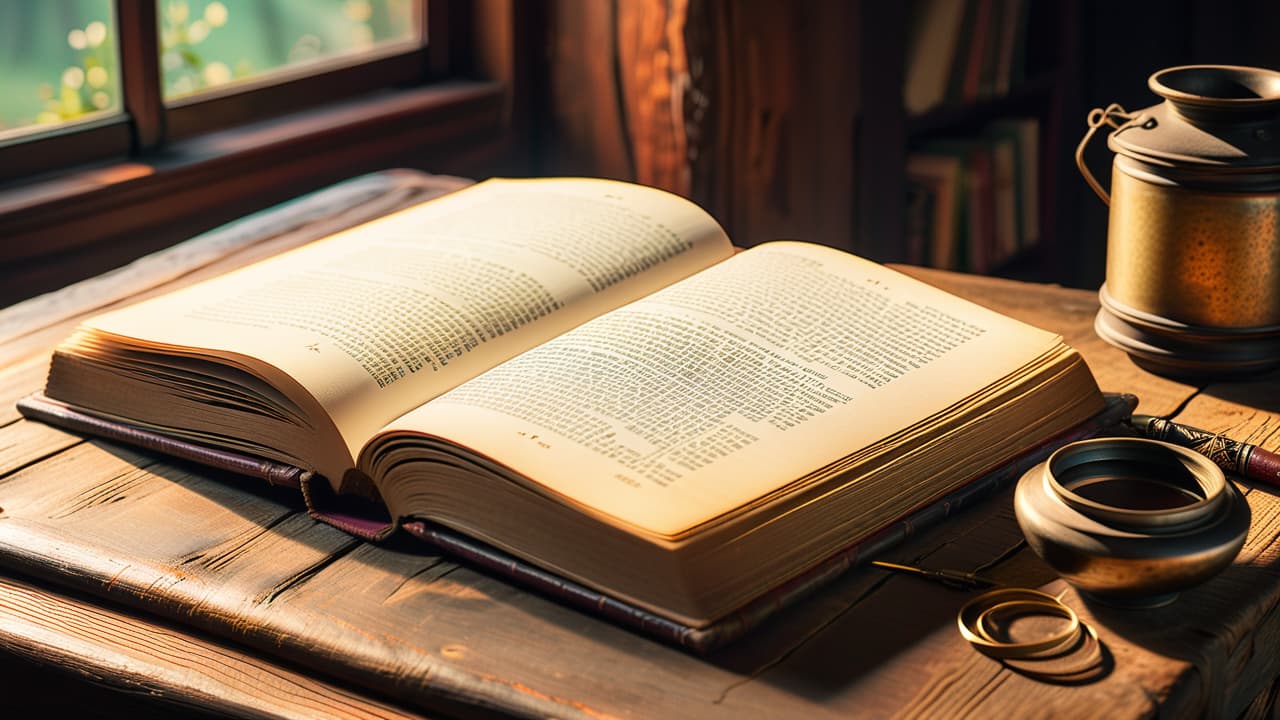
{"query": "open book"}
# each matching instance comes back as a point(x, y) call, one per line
point(585, 374)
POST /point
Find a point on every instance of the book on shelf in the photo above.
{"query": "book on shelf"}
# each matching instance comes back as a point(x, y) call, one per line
point(1011, 55)
point(979, 40)
point(942, 177)
point(921, 207)
point(581, 384)
point(1023, 135)
point(987, 208)
point(1005, 186)
point(982, 244)
point(933, 35)
point(960, 52)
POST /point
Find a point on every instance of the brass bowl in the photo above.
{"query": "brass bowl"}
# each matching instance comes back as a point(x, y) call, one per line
point(1131, 522)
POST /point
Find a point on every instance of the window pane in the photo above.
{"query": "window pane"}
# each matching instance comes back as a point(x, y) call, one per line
point(206, 44)
point(58, 63)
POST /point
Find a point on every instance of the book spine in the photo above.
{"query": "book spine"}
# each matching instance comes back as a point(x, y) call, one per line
point(566, 592)
point(957, 72)
point(972, 89)
point(365, 518)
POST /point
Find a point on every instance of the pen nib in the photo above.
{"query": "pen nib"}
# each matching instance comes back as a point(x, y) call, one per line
point(950, 578)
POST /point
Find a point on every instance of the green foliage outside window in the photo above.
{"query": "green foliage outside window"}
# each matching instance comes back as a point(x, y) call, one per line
point(208, 43)
point(59, 62)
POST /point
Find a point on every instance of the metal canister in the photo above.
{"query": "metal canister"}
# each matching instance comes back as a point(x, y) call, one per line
point(1193, 241)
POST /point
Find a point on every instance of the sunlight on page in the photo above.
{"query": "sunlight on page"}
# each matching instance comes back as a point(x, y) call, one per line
point(376, 320)
point(686, 404)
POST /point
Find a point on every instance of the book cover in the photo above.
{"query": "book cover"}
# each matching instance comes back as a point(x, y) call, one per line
point(978, 51)
point(1023, 135)
point(933, 36)
point(944, 171)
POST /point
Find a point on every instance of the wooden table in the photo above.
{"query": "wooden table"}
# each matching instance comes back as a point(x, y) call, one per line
point(181, 586)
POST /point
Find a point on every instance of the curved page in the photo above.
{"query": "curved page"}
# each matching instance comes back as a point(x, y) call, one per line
point(376, 320)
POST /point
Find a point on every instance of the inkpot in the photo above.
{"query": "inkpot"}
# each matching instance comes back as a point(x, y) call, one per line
point(1193, 240)
point(1131, 522)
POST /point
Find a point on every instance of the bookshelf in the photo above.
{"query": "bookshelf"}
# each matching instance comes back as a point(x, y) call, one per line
point(792, 120)
point(988, 91)
point(789, 119)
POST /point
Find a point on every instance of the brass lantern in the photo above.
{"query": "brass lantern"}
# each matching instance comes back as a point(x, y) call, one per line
point(1193, 242)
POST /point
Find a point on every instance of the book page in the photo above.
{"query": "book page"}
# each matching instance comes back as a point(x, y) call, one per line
point(377, 319)
point(722, 389)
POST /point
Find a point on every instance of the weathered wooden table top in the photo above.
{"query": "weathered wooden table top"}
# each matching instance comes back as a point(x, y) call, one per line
point(213, 592)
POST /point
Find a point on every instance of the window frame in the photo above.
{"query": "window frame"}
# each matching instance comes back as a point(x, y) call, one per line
point(291, 88)
point(145, 121)
point(71, 143)
point(150, 179)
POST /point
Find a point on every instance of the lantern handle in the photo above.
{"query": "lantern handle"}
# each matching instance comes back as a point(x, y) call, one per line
point(1113, 115)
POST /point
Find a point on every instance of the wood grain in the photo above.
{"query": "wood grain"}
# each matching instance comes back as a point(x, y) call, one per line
point(588, 133)
point(650, 47)
point(235, 578)
point(176, 669)
point(18, 379)
point(23, 443)
point(772, 120)
point(749, 108)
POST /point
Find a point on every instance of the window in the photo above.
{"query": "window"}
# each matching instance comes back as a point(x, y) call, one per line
point(127, 125)
point(262, 57)
point(173, 68)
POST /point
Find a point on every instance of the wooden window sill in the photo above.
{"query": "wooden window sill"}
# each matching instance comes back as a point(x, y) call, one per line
point(62, 227)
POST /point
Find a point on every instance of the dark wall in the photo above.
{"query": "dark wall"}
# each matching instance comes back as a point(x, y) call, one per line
point(749, 107)
point(785, 126)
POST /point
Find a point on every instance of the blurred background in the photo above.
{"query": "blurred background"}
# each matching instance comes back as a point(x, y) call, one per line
point(937, 132)
point(933, 132)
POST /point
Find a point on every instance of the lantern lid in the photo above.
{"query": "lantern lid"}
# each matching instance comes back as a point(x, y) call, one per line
point(1214, 117)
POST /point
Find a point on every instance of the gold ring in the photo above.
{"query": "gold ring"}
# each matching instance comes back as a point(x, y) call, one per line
point(1048, 647)
point(1020, 601)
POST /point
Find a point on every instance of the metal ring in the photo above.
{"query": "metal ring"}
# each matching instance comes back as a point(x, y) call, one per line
point(970, 618)
point(1051, 646)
